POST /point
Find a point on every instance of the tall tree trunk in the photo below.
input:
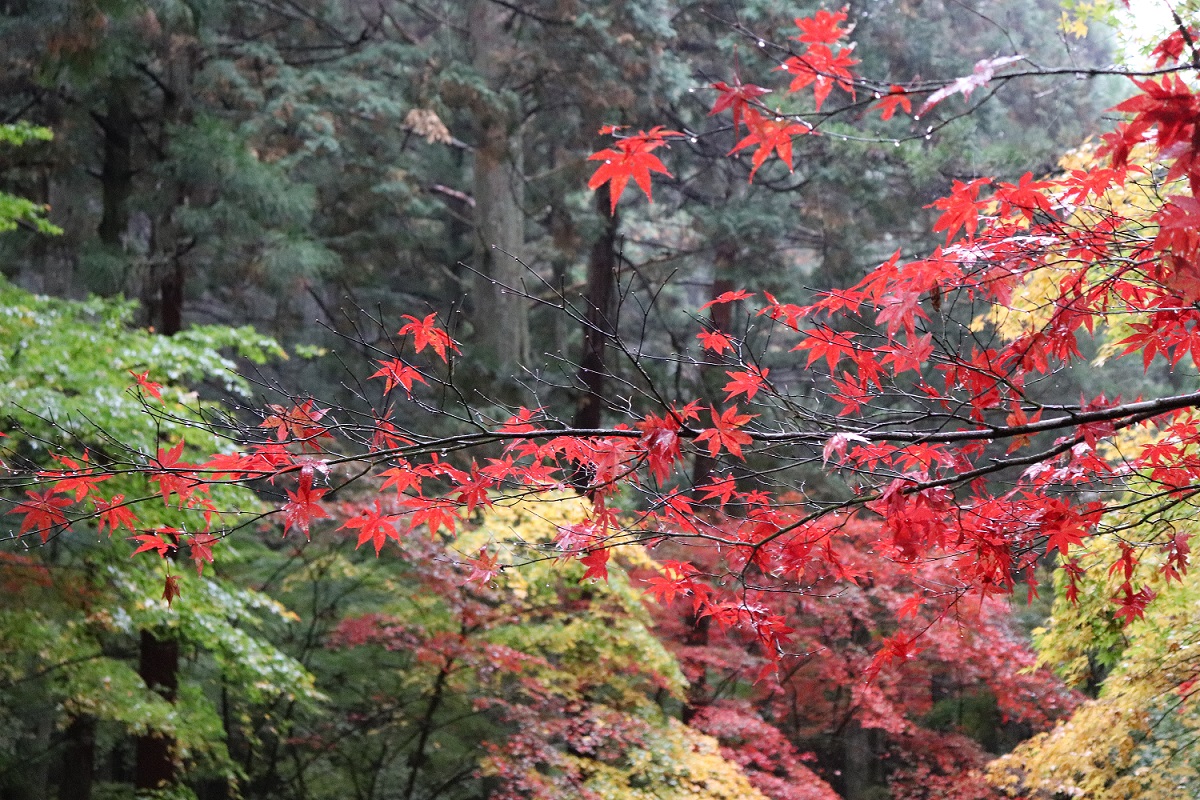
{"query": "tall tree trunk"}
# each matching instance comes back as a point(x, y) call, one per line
point(158, 665)
point(721, 316)
point(416, 759)
point(79, 759)
point(164, 292)
point(860, 776)
point(501, 313)
point(597, 327)
point(597, 318)
point(116, 172)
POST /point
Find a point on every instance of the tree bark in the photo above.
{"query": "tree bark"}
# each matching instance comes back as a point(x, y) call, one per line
point(79, 759)
point(416, 759)
point(116, 172)
point(164, 292)
point(598, 323)
point(860, 777)
point(159, 667)
point(500, 312)
point(721, 316)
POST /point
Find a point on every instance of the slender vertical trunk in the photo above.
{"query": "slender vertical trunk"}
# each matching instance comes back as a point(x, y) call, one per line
point(171, 293)
point(597, 318)
point(860, 777)
point(721, 316)
point(79, 759)
point(501, 313)
point(164, 292)
point(417, 759)
point(159, 667)
point(597, 328)
point(116, 172)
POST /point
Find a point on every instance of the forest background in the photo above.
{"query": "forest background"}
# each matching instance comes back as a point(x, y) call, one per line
point(274, 184)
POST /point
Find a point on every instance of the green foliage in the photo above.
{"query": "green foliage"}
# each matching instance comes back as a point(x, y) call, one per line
point(15, 210)
point(73, 613)
point(67, 368)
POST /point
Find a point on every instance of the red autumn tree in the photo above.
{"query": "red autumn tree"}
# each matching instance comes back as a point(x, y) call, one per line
point(905, 728)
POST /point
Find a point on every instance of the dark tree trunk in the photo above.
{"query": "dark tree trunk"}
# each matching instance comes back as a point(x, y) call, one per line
point(860, 778)
point(159, 667)
point(416, 759)
point(598, 323)
point(171, 290)
point(597, 328)
point(164, 293)
point(721, 316)
point(79, 759)
point(116, 173)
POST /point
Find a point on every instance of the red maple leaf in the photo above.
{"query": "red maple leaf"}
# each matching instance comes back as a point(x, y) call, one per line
point(897, 97)
point(1026, 196)
point(298, 421)
point(397, 372)
point(898, 648)
point(1170, 49)
point(828, 344)
point(736, 98)
point(373, 526)
point(201, 550)
point(114, 513)
point(43, 512)
point(386, 436)
point(472, 490)
point(770, 136)
point(150, 387)
point(665, 590)
point(1178, 550)
point(171, 589)
point(171, 477)
point(426, 333)
point(727, 297)
point(960, 209)
point(822, 69)
point(852, 393)
point(77, 478)
point(1131, 605)
point(432, 513)
point(837, 444)
point(162, 541)
point(823, 27)
point(717, 341)
point(632, 159)
point(725, 433)
point(596, 562)
point(302, 508)
point(403, 477)
point(749, 383)
point(722, 487)
point(484, 568)
point(1179, 236)
point(660, 438)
